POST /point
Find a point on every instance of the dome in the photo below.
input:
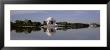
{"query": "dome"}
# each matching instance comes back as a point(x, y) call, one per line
point(50, 19)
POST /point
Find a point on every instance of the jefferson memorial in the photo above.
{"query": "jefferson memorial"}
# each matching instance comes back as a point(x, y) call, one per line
point(50, 21)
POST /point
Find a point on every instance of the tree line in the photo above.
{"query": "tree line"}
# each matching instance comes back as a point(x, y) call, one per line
point(21, 23)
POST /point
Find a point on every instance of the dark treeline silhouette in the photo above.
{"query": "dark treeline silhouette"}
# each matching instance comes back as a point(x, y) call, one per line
point(72, 25)
point(29, 23)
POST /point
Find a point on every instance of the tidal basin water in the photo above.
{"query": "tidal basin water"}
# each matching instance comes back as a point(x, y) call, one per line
point(55, 34)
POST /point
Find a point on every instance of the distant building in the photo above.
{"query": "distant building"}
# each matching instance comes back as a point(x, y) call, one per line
point(94, 25)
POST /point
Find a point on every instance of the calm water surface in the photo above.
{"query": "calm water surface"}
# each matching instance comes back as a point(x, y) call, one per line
point(56, 34)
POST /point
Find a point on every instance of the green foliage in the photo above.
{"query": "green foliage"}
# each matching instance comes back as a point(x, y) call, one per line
point(20, 23)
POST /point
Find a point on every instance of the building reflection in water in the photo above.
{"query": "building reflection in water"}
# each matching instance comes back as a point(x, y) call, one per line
point(49, 30)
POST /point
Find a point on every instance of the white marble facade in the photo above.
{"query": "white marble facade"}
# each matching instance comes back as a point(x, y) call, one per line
point(51, 21)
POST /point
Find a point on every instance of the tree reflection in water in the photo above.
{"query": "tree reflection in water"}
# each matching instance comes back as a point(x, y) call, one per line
point(25, 29)
point(49, 30)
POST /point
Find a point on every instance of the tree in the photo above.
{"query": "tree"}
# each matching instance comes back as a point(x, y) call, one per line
point(19, 23)
point(36, 24)
point(44, 23)
point(29, 23)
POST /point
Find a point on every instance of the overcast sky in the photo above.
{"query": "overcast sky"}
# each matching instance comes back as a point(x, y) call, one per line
point(79, 16)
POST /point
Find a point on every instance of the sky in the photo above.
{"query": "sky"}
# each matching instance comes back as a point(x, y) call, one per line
point(73, 16)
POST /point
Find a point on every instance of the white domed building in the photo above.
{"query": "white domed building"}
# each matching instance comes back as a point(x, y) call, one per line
point(51, 21)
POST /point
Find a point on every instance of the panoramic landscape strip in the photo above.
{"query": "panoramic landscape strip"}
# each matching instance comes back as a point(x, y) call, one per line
point(30, 25)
